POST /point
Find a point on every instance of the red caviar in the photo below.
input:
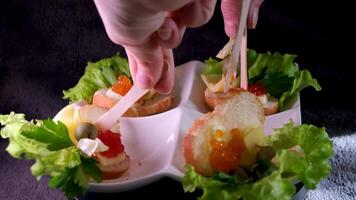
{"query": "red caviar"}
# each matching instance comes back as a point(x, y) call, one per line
point(113, 141)
point(258, 89)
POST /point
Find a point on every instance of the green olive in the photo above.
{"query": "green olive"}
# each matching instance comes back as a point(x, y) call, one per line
point(86, 130)
point(265, 153)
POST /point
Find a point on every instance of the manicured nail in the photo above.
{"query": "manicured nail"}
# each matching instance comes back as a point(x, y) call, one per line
point(164, 34)
point(143, 80)
point(255, 17)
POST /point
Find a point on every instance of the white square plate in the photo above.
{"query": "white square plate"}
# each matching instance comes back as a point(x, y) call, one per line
point(154, 143)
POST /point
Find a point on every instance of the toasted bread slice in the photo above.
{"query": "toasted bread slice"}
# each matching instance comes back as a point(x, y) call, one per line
point(113, 167)
point(154, 106)
point(271, 107)
point(212, 99)
point(148, 105)
point(242, 110)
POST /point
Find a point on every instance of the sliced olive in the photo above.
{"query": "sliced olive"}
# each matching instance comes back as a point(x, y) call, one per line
point(86, 130)
point(265, 153)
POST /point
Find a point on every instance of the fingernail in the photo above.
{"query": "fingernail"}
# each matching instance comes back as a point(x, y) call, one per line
point(255, 17)
point(164, 34)
point(142, 79)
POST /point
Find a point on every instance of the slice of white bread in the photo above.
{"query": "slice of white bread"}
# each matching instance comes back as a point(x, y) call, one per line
point(243, 111)
point(212, 99)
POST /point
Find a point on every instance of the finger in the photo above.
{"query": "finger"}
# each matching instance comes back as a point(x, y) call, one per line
point(166, 82)
point(181, 27)
point(168, 35)
point(231, 10)
point(129, 22)
point(253, 13)
point(165, 5)
point(148, 63)
point(194, 14)
point(132, 65)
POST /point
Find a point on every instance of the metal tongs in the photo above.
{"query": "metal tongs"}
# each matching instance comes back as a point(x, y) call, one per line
point(238, 52)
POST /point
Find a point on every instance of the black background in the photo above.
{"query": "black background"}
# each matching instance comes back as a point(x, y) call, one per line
point(44, 47)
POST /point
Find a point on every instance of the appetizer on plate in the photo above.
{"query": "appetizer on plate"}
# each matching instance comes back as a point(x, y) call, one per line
point(228, 155)
point(71, 157)
point(79, 119)
point(275, 78)
point(69, 148)
point(106, 81)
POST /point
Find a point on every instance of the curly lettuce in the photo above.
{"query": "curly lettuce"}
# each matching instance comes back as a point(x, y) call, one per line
point(97, 75)
point(280, 75)
point(47, 143)
point(309, 165)
point(312, 165)
point(277, 72)
point(46, 162)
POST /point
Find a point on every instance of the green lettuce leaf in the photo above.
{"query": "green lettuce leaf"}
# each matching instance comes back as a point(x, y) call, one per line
point(48, 143)
point(309, 165)
point(274, 63)
point(46, 162)
point(12, 118)
point(98, 75)
point(213, 66)
point(302, 79)
point(277, 83)
point(273, 187)
point(280, 75)
point(220, 186)
point(230, 187)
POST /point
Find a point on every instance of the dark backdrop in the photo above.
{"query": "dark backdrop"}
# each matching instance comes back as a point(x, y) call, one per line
point(44, 47)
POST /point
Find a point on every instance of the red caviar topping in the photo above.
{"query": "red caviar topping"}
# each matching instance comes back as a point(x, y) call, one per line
point(113, 141)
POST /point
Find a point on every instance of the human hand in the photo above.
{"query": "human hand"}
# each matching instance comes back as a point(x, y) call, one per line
point(231, 10)
point(149, 30)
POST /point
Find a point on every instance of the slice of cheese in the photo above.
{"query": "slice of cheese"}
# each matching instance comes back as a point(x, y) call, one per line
point(216, 82)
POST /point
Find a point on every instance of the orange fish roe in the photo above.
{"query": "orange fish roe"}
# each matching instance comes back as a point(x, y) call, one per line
point(226, 156)
point(122, 85)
